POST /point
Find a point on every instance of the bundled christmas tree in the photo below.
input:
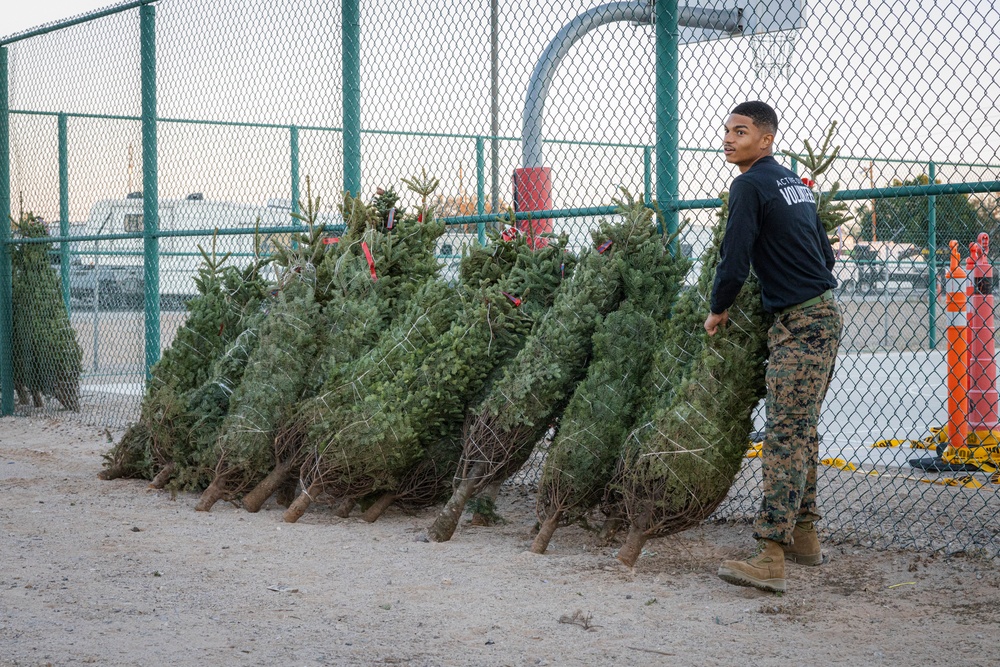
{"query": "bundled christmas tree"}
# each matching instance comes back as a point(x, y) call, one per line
point(427, 316)
point(372, 420)
point(679, 462)
point(215, 319)
point(492, 325)
point(47, 360)
point(386, 256)
point(277, 373)
point(206, 406)
point(681, 459)
point(531, 391)
point(582, 458)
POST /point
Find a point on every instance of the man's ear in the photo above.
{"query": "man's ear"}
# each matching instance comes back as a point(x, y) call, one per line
point(768, 140)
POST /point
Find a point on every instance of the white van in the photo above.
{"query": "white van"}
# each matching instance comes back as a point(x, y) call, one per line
point(110, 272)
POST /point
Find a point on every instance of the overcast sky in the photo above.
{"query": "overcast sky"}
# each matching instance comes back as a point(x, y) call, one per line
point(912, 82)
point(20, 16)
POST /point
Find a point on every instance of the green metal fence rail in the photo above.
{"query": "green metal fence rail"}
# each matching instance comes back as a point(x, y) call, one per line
point(231, 106)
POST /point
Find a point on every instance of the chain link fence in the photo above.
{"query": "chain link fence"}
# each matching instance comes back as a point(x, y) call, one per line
point(135, 133)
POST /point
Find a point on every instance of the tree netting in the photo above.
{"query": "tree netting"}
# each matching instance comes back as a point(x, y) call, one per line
point(387, 260)
point(216, 321)
point(47, 360)
point(527, 396)
point(681, 458)
point(368, 431)
point(582, 458)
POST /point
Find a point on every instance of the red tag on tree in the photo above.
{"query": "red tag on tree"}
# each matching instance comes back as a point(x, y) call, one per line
point(392, 218)
point(509, 234)
point(604, 246)
point(371, 260)
point(513, 299)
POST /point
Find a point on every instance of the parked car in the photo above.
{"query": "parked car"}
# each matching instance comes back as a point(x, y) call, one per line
point(877, 263)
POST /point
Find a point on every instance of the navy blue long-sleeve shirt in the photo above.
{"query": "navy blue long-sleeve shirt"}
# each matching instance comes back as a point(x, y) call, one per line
point(773, 225)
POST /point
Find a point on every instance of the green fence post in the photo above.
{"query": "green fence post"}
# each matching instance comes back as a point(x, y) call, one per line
point(293, 142)
point(481, 187)
point(351, 65)
point(6, 278)
point(667, 124)
point(64, 207)
point(150, 186)
point(647, 175)
point(932, 262)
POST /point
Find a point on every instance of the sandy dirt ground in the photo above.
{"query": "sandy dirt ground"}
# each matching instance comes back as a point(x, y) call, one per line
point(110, 573)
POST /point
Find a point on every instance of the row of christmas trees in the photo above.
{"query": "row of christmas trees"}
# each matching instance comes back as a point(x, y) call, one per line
point(361, 375)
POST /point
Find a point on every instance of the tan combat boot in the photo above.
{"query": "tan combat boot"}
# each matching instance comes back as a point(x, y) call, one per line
point(764, 570)
point(805, 549)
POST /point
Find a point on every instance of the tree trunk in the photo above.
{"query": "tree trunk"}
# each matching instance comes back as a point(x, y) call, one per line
point(213, 494)
point(447, 521)
point(163, 476)
point(344, 507)
point(382, 504)
point(253, 501)
point(632, 549)
point(67, 394)
point(548, 527)
point(609, 529)
point(114, 472)
point(287, 491)
point(489, 493)
point(302, 503)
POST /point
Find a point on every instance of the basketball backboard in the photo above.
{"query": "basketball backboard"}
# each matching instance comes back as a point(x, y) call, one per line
point(746, 17)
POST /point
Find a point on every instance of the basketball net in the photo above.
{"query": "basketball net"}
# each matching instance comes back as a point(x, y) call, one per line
point(772, 54)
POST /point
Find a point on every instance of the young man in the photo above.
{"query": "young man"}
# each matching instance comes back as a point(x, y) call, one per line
point(773, 226)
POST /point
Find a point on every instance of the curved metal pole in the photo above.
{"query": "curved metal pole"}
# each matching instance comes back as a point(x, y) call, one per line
point(548, 64)
point(639, 11)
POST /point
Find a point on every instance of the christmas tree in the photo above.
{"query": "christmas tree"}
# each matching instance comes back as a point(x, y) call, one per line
point(582, 458)
point(533, 388)
point(277, 373)
point(681, 459)
point(215, 319)
point(385, 257)
point(493, 324)
point(47, 360)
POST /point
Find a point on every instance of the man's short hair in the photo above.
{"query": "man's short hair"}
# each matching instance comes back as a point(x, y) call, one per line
point(761, 113)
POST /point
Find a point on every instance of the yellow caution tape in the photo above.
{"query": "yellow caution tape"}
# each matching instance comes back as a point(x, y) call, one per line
point(889, 443)
point(920, 444)
point(967, 481)
point(983, 452)
point(839, 463)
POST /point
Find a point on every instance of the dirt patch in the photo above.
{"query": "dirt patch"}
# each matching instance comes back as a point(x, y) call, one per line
point(110, 573)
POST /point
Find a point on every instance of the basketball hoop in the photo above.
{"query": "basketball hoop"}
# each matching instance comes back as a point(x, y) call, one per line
point(772, 54)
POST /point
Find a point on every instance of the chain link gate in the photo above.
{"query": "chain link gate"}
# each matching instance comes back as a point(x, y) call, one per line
point(133, 134)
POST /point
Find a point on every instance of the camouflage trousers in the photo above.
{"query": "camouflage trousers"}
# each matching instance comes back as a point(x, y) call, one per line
point(803, 348)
